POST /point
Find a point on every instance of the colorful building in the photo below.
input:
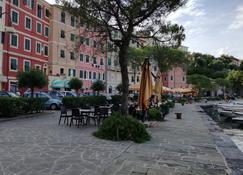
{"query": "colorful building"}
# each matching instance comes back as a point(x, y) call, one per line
point(75, 51)
point(27, 48)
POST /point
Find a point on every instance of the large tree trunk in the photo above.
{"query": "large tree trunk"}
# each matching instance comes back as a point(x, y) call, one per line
point(124, 74)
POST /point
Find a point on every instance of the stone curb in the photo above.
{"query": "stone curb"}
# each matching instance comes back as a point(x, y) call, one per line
point(25, 116)
point(231, 153)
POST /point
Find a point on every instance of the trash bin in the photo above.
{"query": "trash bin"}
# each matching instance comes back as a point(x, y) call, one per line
point(178, 115)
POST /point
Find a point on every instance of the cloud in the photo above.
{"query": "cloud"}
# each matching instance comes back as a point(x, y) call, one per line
point(238, 21)
point(192, 8)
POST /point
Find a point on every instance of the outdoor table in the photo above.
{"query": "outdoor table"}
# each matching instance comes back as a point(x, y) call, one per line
point(86, 113)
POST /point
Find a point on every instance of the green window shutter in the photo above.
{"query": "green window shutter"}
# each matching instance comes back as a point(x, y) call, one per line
point(87, 41)
point(15, 17)
point(109, 61)
point(81, 74)
point(26, 66)
point(94, 60)
point(81, 57)
point(94, 44)
point(72, 37)
point(81, 40)
point(87, 58)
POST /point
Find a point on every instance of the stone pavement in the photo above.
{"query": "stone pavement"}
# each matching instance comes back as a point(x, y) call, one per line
point(38, 146)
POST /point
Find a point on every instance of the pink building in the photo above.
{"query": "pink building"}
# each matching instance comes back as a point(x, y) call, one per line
point(74, 52)
point(175, 78)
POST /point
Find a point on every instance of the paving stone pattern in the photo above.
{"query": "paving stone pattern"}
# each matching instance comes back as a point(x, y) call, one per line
point(38, 146)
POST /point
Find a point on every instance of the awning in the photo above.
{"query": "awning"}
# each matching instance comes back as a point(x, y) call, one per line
point(57, 83)
point(66, 84)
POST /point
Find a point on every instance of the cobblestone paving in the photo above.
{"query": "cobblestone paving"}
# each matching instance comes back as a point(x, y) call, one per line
point(38, 146)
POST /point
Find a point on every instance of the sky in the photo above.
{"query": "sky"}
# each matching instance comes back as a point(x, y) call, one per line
point(211, 26)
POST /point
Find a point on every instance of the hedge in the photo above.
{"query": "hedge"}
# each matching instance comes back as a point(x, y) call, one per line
point(11, 107)
point(77, 102)
point(155, 115)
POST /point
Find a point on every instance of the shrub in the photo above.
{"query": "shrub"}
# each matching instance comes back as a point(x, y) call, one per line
point(117, 127)
point(154, 115)
point(170, 104)
point(76, 102)
point(11, 107)
point(164, 108)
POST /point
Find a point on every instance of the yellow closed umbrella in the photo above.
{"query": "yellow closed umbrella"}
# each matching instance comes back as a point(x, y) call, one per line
point(146, 87)
point(158, 86)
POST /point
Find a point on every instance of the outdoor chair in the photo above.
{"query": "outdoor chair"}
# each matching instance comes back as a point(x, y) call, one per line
point(102, 114)
point(64, 115)
point(77, 117)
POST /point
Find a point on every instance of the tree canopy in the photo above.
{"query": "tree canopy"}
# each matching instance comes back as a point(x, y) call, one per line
point(75, 84)
point(98, 86)
point(125, 20)
point(32, 79)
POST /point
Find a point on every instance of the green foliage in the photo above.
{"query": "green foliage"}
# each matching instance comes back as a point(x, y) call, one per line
point(75, 84)
point(77, 102)
point(124, 18)
point(223, 82)
point(164, 108)
point(32, 79)
point(201, 82)
point(236, 79)
point(118, 127)
point(155, 115)
point(98, 86)
point(11, 107)
point(171, 104)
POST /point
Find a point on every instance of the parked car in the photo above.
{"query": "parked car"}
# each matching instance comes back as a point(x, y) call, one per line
point(8, 94)
point(69, 94)
point(55, 94)
point(51, 103)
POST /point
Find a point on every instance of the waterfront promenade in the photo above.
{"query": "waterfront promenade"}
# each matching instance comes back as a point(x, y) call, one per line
point(38, 146)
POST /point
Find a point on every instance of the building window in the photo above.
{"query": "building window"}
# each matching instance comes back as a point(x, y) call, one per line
point(94, 44)
point(38, 48)
point(39, 11)
point(85, 74)
point(16, 2)
point(62, 34)
point(81, 40)
point(99, 76)
point(101, 62)
point(62, 53)
point(71, 72)
point(165, 78)
point(61, 71)
point(15, 17)
point(81, 74)
point(155, 68)
point(72, 21)
point(110, 90)
point(90, 75)
point(46, 50)
point(28, 3)
point(137, 78)
point(28, 23)
point(46, 31)
point(47, 13)
point(38, 27)
point(26, 66)
point(103, 76)
point(94, 75)
point(109, 61)
point(72, 37)
point(132, 79)
point(87, 58)
point(171, 78)
point(14, 40)
point(94, 60)
point(87, 41)
point(27, 44)
point(63, 16)
point(37, 66)
point(13, 64)
point(81, 56)
point(183, 78)
point(72, 56)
